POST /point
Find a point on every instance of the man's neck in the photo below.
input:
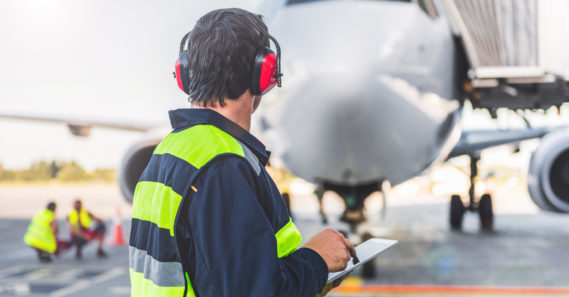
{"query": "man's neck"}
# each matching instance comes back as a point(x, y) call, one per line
point(238, 111)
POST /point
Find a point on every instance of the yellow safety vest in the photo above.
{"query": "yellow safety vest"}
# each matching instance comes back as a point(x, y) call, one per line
point(74, 218)
point(155, 265)
point(39, 233)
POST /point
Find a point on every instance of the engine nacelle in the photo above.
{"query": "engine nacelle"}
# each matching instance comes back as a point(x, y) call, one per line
point(548, 178)
point(134, 162)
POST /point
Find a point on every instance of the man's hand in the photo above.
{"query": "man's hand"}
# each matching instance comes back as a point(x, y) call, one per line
point(333, 247)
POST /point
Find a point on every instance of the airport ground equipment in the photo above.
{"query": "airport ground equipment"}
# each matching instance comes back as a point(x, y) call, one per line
point(516, 56)
point(514, 63)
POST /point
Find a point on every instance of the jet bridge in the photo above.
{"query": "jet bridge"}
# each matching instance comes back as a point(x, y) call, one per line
point(517, 51)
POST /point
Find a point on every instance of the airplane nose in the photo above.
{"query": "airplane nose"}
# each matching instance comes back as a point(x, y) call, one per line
point(357, 82)
point(369, 127)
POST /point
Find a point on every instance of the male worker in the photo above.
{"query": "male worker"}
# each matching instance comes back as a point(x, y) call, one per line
point(42, 232)
point(207, 220)
point(82, 232)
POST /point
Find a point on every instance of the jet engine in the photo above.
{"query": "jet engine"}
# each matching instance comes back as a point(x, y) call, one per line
point(548, 178)
point(134, 162)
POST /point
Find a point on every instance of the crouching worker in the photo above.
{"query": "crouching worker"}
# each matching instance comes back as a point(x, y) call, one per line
point(82, 231)
point(42, 234)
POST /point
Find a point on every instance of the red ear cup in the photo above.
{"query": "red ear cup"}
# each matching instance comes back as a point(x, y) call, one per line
point(182, 72)
point(264, 72)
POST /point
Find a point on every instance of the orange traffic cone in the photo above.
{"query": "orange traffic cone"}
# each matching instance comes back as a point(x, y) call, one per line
point(117, 238)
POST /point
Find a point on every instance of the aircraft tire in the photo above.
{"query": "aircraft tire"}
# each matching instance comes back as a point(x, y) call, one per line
point(486, 213)
point(456, 212)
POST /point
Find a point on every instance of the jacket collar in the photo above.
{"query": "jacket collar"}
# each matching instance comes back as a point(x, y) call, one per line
point(184, 118)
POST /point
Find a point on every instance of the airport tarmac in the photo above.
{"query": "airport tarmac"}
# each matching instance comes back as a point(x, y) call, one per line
point(526, 255)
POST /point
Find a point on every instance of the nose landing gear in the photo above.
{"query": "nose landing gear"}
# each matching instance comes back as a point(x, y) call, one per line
point(354, 197)
point(483, 206)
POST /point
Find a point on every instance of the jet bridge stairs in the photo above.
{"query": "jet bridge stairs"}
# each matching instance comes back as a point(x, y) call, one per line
point(516, 52)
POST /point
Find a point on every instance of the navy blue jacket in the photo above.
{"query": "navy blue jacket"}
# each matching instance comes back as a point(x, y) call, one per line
point(226, 230)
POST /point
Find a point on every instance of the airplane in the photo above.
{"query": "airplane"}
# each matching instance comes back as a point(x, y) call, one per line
point(373, 95)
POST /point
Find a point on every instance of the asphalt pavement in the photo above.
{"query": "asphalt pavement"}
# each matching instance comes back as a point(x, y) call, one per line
point(526, 255)
point(21, 274)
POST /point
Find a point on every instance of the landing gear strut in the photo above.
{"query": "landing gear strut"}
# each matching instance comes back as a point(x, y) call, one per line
point(354, 197)
point(483, 206)
point(319, 191)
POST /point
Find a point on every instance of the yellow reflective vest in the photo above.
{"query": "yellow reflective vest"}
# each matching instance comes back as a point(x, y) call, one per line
point(39, 234)
point(155, 266)
point(84, 217)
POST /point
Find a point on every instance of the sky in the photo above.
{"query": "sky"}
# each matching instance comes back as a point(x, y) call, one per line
point(103, 59)
point(91, 59)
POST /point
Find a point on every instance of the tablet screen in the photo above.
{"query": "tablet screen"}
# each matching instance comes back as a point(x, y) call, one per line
point(365, 251)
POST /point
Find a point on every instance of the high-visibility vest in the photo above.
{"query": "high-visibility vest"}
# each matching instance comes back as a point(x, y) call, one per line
point(83, 215)
point(154, 262)
point(39, 233)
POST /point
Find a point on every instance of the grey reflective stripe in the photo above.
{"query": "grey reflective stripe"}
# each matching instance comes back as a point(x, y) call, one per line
point(253, 160)
point(163, 274)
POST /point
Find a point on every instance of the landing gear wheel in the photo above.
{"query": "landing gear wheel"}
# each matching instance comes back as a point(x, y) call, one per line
point(486, 213)
point(456, 212)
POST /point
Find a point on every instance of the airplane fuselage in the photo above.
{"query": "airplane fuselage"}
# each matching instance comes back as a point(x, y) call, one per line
point(368, 91)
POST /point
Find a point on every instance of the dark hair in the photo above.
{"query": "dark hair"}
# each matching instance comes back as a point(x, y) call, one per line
point(222, 48)
point(51, 206)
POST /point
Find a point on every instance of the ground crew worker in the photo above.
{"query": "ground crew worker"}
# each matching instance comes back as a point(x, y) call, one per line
point(42, 232)
point(207, 220)
point(80, 224)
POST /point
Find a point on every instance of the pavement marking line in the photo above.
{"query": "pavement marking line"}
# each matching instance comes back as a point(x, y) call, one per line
point(120, 290)
point(80, 285)
point(83, 284)
point(19, 289)
point(48, 273)
point(11, 270)
point(411, 289)
point(69, 274)
point(22, 289)
point(109, 275)
point(38, 273)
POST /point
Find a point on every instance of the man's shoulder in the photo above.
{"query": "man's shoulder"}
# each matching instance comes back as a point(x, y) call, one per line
point(227, 164)
point(199, 144)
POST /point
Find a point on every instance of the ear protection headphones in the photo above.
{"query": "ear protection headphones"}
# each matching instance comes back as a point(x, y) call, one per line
point(266, 67)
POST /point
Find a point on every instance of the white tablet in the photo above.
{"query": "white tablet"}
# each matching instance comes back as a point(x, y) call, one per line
point(365, 252)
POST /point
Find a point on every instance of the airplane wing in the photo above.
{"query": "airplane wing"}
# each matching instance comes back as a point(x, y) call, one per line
point(81, 126)
point(473, 141)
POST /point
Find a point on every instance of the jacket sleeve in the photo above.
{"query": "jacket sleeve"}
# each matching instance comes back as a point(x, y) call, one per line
point(234, 242)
